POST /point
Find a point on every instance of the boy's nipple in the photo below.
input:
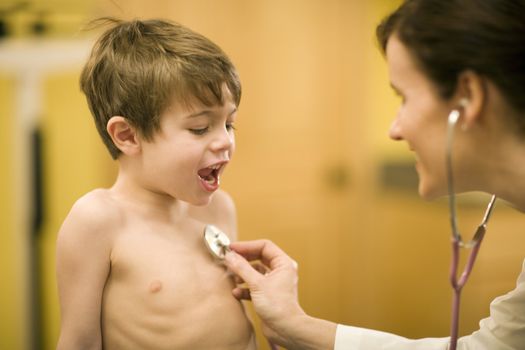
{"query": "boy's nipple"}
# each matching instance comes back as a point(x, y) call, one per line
point(155, 286)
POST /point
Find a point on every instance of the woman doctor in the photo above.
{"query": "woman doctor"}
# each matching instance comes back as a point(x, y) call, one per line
point(448, 60)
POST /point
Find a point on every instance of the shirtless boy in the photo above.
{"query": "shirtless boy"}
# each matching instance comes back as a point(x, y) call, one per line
point(133, 270)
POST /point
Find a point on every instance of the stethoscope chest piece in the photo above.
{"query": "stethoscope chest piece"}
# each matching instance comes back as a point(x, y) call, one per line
point(216, 241)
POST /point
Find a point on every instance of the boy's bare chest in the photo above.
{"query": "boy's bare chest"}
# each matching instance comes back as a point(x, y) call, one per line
point(165, 291)
point(172, 256)
point(161, 280)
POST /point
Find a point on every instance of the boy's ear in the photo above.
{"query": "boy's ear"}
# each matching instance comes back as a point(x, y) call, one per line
point(471, 97)
point(124, 135)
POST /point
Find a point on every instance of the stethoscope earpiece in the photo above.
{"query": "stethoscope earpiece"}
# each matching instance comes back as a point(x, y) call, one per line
point(463, 103)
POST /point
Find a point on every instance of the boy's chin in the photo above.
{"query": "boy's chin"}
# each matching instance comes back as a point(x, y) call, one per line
point(199, 202)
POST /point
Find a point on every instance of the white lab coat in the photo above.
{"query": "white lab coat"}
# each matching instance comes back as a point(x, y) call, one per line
point(504, 329)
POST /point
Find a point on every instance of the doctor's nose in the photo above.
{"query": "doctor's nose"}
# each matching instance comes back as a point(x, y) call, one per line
point(395, 130)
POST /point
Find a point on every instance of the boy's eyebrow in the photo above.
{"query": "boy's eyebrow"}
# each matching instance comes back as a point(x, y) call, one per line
point(206, 112)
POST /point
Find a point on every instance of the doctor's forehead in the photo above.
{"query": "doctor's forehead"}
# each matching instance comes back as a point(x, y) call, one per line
point(402, 65)
point(397, 56)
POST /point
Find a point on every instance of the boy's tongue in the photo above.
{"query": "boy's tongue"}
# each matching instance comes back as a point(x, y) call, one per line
point(208, 175)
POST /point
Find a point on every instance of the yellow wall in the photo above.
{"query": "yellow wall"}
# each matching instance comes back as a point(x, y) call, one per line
point(11, 295)
point(74, 162)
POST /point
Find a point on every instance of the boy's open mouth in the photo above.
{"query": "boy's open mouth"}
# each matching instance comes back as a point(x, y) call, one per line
point(210, 176)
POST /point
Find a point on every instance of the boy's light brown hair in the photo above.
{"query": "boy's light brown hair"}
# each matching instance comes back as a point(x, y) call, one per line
point(137, 67)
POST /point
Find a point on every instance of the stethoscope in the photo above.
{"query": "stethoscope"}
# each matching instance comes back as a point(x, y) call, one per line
point(457, 241)
point(218, 242)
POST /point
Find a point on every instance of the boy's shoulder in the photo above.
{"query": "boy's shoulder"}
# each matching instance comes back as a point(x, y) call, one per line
point(94, 212)
point(221, 204)
point(219, 212)
point(97, 204)
point(88, 232)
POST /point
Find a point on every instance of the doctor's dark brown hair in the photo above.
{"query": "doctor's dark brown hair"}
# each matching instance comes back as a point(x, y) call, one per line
point(447, 37)
point(137, 68)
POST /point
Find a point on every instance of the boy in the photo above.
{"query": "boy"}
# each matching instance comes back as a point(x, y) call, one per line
point(133, 271)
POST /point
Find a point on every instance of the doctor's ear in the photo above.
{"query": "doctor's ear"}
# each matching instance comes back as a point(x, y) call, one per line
point(463, 102)
point(124, 135)
point(471, 98)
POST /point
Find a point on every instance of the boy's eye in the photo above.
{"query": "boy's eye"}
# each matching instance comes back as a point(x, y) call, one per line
point(200, 131)
point(230, 126)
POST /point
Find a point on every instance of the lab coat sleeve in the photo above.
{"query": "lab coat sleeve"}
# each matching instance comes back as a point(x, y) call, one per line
point(355, 338)
point(503, 330)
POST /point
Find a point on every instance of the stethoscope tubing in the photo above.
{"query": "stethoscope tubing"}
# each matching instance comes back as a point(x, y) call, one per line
point(458, 283)
point(457, 242)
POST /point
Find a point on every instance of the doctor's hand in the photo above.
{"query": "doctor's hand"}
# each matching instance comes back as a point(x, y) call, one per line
point(273, 293)
point(272, 287)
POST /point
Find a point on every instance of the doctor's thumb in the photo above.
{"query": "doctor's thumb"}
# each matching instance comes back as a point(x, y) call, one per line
point(241, 267)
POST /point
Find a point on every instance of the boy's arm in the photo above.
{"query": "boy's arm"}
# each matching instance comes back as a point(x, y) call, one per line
point(83, 264)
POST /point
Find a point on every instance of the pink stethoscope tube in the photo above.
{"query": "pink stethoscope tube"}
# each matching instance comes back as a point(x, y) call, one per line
point(457, 242)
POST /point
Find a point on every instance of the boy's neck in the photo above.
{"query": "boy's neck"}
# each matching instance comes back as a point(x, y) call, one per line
point(129, 190)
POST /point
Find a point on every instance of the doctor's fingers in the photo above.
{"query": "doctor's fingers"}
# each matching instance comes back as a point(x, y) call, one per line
point(242, 268)
point(257, 266)
point(265, 250)
point(263, 269)
point(242, 293)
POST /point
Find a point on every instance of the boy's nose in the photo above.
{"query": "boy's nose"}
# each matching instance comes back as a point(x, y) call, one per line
point(224, 141)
